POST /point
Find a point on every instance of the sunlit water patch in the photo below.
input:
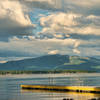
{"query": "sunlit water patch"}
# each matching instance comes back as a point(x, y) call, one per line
point(10, 86)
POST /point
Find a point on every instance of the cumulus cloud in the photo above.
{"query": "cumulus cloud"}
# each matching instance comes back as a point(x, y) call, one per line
point(43, 4)
point(37, 47)
point(76, 51)
point(13, 20)
point(53, 52)
point(86, 6)
point(70, 24)
point(71, 29)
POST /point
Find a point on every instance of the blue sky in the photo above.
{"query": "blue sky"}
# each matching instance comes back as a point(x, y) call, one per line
point(31, 28)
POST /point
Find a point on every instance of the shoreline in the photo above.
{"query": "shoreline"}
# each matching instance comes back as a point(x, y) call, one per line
point(12, 72)
point(51, 75)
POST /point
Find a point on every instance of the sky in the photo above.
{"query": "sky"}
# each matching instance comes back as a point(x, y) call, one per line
point(31, 28)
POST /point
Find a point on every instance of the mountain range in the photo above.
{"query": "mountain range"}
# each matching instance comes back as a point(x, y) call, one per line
point(54, 62)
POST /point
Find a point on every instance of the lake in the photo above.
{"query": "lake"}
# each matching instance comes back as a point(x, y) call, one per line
point(10, 86)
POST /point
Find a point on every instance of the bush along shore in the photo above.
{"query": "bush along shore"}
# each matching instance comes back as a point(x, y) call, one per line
point(43, 72)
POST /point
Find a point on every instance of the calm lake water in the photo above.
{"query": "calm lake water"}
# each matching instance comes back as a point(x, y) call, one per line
point(10, 86)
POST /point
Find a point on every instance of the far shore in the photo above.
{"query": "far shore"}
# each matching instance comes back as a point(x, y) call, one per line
point(45, 73)
point(16, 72)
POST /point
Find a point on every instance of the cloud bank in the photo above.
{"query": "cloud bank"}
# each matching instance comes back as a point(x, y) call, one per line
point(64, 25)
point(13, 20)
point(85, 7)
point(71, 27)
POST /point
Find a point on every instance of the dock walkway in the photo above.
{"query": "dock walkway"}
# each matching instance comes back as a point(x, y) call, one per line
point(91, 89)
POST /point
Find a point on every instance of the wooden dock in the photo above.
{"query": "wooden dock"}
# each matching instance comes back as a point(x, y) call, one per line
point(89, 89)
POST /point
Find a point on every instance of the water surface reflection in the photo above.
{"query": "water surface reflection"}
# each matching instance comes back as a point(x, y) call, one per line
point(10, 86)
point(56, 95)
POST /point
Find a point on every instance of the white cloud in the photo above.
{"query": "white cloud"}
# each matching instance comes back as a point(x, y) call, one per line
point(3, 61)
point(77, 43)
point(64, 19)
point(53, 52)
point(13, 20)
point(85, 3)
point(43, 4)
point(13, 10)
point(76, 51)
point(76, 6)
point(70, 24)
point(62, 30)
point(38, 46)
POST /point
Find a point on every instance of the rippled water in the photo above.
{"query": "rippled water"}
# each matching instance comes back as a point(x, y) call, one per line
point(10, 86)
